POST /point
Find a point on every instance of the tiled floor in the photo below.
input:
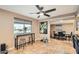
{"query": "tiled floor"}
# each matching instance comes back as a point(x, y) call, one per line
point(52, 47)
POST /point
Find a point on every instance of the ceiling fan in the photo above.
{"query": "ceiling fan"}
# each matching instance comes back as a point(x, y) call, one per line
point(41, 12)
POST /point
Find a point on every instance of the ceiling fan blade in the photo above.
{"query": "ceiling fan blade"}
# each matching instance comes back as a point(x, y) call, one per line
point(50, 10)
point(47, 15)
point(42, 8)
point(38, 7)
point(38, 16)
point(35, 13)
point(38, 13)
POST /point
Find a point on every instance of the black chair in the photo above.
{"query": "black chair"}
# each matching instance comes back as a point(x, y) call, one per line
point(55, 35)
point(61, 35)
point(3, 49)
point(69, 36)
point(64, 32)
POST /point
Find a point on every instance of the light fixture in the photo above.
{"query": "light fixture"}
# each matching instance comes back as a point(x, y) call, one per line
point(41, 14)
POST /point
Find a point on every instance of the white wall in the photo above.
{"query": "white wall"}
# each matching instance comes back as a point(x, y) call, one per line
point(6, 27)
point(67, 25)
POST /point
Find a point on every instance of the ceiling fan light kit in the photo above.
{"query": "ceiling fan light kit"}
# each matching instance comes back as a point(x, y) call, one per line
point(41, 14)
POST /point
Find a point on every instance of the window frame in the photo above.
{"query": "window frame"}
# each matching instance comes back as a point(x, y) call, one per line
point(25, 22)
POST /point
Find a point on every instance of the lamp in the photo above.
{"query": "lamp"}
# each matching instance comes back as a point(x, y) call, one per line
point(41, 14)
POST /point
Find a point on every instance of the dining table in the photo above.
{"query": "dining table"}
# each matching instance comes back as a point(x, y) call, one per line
point(68, 37)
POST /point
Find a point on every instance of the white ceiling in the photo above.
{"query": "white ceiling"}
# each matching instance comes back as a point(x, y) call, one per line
point(27, 9)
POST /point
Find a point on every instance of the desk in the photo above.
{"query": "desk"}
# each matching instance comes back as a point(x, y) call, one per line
point(18, 39)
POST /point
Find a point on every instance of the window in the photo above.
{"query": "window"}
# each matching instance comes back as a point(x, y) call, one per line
point(28, 27)
point(18, 28)
point(22, 27)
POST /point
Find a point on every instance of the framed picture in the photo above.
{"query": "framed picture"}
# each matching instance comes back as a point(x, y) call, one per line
point(43, 27)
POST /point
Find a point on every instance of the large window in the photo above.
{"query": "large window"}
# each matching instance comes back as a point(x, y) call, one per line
point(22, 26)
